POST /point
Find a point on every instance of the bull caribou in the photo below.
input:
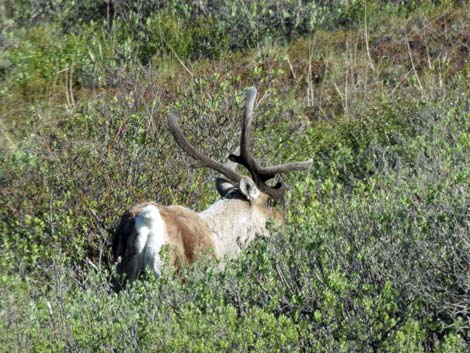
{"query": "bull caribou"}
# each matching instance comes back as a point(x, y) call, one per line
point(222, 230)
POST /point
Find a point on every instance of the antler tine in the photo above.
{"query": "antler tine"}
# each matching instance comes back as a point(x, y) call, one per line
point(245, 158)
point(204, 160)
point(246, 128)
point(287, 167)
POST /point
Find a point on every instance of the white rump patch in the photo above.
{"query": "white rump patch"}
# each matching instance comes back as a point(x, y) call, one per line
point(150, 237)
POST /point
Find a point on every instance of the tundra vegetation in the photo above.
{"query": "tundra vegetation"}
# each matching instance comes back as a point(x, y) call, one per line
point(376, 253)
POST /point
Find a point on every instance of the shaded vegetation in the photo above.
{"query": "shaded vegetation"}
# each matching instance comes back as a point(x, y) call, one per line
point(376, 257)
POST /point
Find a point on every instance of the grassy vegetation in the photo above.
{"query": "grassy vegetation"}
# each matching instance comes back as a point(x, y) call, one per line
point(376, 256)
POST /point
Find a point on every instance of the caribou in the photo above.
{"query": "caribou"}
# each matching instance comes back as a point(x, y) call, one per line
point(222, 230)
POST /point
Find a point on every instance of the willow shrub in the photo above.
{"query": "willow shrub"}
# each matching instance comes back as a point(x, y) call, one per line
point(371, 263)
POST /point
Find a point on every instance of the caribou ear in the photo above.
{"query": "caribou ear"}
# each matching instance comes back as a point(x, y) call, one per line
point(223, 186)
point(249, 189)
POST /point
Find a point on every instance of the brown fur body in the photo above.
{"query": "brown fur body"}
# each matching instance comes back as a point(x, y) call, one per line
point(187, 235)
point(220, 231)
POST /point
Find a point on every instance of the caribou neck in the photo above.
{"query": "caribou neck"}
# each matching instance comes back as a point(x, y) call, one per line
point(233, 225)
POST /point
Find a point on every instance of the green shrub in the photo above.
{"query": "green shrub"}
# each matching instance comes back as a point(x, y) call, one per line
point(375, 256)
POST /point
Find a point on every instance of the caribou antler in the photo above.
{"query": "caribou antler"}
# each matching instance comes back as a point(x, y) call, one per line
point(262, 174)
point(204, 160)
point(258, 173)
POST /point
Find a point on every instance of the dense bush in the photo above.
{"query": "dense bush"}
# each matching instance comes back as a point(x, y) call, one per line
point(376, 254)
